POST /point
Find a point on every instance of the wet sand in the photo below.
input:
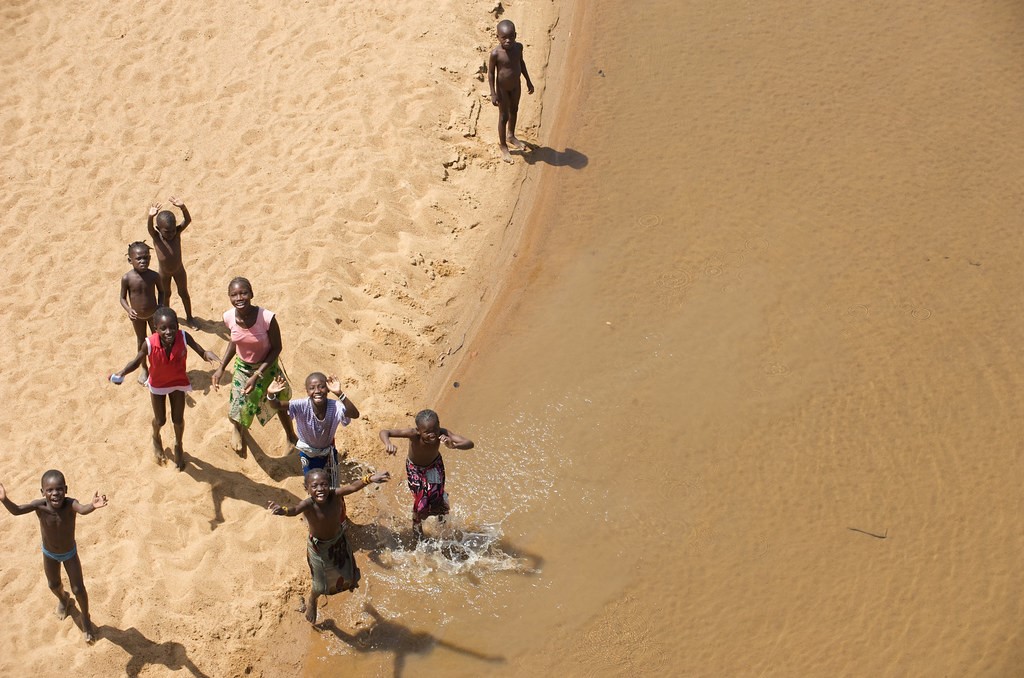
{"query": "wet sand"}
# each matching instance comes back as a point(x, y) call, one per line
point(747, 405)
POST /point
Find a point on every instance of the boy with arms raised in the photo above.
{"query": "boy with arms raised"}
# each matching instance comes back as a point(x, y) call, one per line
point(424, 465)
point(167, 243)
point(504, 68)
point(57, 512)
point(331, 563)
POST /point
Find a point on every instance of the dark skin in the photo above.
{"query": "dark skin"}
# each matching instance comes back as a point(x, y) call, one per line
point(324, 511)
point(138, 297)
point(504, 69)
point(424, 447)
point(317, 388)
point(167, 243)
point(57, 512)
point(246, 315)
point(167, 328)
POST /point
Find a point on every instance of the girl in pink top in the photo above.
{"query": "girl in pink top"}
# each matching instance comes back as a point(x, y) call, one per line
point(255, 345)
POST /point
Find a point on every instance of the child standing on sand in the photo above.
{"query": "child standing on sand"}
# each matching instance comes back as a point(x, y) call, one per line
point(57, 512)
point(316, 420)
point(138, 295)
point(424, 465)
point(504, 69)
point(167, 241)
point(331, 563)
point(167, 349)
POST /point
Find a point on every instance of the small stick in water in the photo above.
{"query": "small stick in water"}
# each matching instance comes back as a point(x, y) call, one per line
point(870, 534)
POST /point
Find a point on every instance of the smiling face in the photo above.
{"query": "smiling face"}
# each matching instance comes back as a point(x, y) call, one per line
point(429, 431)
point(318, 485)
point(166, 327)
point(139, 258)
point(316, 388)
point(240, 295)
point(54, 490)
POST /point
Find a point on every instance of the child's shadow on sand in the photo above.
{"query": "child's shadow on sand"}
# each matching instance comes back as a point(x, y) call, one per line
point(213, 326)
point(144, 651)
point(385, 635)
point(570, 157)
point(234, 485)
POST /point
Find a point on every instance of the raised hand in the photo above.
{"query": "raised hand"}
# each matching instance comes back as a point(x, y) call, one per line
point(275, 508)
point(334, 384)
point(154, 208)
point(381, 477)
point(277, 385)
point(3, 493)
point(447, 442)
point(174, 201)
point(99, 501)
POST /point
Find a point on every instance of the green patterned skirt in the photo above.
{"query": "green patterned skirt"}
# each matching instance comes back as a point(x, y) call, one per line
point(245, 408)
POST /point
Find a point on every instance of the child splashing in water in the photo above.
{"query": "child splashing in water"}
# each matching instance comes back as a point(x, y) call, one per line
point(424, 465)
point(167, 349)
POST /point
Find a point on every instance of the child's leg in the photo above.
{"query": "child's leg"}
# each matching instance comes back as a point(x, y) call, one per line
point(74, 569)
point(311, 607)
point(513, 115)
point(503, 124)
point(417, 526)
point(286, 422)
point(163, 292)
point(238, 438)
point(181, 280)
point(159, 419)
point(178, 419)
point(52, 570)
point(141, 328)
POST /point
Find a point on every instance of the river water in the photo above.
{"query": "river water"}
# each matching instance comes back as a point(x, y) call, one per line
point(749, 403)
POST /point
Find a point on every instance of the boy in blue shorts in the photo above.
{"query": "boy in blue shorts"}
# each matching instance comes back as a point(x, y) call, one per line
point(57, 512)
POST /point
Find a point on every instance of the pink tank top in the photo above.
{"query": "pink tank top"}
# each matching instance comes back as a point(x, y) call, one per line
point(252, 344)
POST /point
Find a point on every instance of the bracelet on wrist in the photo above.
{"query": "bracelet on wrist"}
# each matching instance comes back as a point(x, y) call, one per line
point(367, 479)
point(271, 396)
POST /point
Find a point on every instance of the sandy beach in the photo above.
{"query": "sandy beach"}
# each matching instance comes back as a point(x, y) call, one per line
point(340, 156)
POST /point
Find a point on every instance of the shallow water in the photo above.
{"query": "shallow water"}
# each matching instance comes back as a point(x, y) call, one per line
point(749, 404)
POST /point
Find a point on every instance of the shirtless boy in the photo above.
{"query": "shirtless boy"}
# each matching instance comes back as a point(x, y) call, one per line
point(424, 465)
point(167, 243)
point(138, 296)
point(328, 553)
point(57, 512)
point(504, 69)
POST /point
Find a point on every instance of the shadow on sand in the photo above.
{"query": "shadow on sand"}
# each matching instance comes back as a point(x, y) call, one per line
point(570, 157)
point(384, 635)
point(144, 651)
point(233, 485)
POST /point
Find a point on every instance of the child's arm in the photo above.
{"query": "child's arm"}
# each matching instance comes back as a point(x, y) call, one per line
point(290, 511)
point(492, 69)
point(208, 356)
point(153, 209)
point(381, 477)
point(387, 434)
point(526, 74)
point(134, 364)
point(186, 217)
point(334, 386)
point(85, 509)
point(18, 509)
point(219, 372)
point(124, 298)
point(453, 441)
point(273, 389)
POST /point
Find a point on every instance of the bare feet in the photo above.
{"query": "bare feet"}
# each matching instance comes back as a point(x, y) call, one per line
point(143, 376)
point(179, 458)
point(237, 442)
point(88, 632)
point(515, 143)
point(311, 612)
point(64, 606)
point(191, 322)
point(506, 156)
point(158, 449)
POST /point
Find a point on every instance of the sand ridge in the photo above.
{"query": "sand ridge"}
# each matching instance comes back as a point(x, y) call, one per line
point(341, 157)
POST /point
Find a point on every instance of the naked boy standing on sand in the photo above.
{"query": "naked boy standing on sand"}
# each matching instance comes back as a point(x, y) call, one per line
point(504, 69)
point(57, 512)
point(138, 296)
point(167, 242)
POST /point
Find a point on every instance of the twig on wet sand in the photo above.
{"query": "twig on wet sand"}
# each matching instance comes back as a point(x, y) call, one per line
point(870, 534)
